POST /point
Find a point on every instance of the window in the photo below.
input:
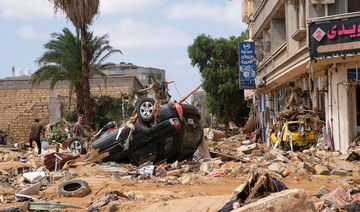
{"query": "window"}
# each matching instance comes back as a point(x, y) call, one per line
point(298, 8)
point(353, 6)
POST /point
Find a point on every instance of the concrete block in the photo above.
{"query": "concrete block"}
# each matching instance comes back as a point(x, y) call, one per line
point(187, 179)
point(230, 165)
point(174, 172)
point(246, 142)
point(185, 168)
point(57, 176)
point(34, 177)
point(303, 165)
point(278, 168)
point(175, 165)
point(322, 191)
point(321, 153)
point(339, 172)
point(343, 167)
point(312, 150)
point(258, 152)
point(282, 158)
point(160, 171)
point(205, 168)
point(247, 149)
point(294, 200)
point(321, 170)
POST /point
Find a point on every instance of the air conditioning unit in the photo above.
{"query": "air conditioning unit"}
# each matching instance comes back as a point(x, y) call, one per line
point(259, 80)
point(321, 83)
point(322, 1)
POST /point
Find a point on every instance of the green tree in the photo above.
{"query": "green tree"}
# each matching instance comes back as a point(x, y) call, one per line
point(62, 61)
point(81, 14)
point(108, 109)
point(217, 60)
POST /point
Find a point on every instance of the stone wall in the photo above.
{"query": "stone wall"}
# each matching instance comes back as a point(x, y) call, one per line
point(21, 104)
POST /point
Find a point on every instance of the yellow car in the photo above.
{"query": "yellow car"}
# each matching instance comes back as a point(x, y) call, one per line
point(297, 132)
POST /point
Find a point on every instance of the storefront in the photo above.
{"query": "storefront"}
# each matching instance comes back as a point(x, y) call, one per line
point(334, 45)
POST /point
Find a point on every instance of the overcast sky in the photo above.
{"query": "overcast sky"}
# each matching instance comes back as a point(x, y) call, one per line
point(150, 33)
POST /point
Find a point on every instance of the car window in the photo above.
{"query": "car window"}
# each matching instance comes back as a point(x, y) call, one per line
point(147, 153)
point(293, 127)
point(155, 150)
point(167, 145)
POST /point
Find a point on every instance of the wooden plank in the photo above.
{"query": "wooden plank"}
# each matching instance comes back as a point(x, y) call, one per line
point(223, 157)
point(90, 154)
point(99, 157)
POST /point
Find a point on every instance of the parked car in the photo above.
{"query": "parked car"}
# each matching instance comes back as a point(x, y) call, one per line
point(300, 135)
point(171, 139)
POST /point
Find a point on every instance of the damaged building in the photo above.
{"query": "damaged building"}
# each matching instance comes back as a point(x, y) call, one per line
point(311, 48)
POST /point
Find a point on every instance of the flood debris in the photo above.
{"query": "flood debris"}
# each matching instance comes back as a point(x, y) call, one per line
point(263, 172)
point(74, 188)
point(124, 171)
point(256, 185)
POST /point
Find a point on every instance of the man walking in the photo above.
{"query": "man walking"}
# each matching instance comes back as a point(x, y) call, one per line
point(34, 135)
point(78, 128)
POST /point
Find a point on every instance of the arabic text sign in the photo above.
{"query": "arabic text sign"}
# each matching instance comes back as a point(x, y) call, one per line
point(330, 39)
point(247, 65)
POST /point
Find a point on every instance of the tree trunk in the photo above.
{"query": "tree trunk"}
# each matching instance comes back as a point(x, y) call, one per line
point(85, 81)
point(79, 99)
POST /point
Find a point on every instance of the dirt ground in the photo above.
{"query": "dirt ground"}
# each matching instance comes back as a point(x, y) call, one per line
point(206, 193)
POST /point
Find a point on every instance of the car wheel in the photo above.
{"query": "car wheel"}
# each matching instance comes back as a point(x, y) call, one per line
point(76, 146)
point(74, 188)
point(145, 108)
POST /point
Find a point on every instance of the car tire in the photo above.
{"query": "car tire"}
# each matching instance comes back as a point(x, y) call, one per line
point(76, 145)
point(145, 108)
point(74, 188)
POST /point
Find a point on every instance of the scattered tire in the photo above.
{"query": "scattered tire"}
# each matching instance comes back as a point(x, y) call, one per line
point(76, 145)
point(145, 108)
point(74, 188)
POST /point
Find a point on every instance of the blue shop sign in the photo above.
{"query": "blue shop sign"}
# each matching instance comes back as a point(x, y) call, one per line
point(247, 65)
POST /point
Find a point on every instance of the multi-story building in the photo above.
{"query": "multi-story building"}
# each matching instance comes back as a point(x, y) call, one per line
point(142, 73)
point(312, 45)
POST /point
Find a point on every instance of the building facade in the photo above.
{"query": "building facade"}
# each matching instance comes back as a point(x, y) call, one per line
point(198, 101)
point(310, 46)
point(142, 73)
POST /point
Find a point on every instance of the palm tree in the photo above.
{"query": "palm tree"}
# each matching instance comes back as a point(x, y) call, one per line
point(81, 14)
point(63, 61)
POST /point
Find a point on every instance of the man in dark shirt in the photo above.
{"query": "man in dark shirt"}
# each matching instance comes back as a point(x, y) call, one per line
point(78, 128)
point(34, 134)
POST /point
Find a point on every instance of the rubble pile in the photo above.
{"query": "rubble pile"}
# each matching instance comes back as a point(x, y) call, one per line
point(312, 179)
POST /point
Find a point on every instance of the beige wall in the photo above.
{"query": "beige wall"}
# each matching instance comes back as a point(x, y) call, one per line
point(21, 104)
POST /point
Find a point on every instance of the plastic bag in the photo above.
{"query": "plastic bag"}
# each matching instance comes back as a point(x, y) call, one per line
point(44, 145)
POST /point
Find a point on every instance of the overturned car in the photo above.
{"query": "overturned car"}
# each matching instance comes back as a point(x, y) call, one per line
point(174, 135)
